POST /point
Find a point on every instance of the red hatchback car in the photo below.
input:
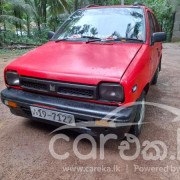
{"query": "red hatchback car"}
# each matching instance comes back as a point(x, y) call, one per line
point(101, 58)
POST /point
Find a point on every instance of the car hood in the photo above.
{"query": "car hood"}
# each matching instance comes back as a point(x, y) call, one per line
point(77, 62)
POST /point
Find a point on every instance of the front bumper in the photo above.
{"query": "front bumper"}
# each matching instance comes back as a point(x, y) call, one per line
point(82, 111)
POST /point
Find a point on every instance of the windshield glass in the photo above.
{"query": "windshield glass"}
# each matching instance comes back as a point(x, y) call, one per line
point(104, 23)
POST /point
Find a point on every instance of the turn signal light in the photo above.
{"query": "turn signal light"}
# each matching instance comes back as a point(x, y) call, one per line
point(102, 123)
point(11, 104)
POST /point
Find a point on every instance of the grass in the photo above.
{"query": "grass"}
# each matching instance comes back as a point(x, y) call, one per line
point(12, 54)
point(18, 52)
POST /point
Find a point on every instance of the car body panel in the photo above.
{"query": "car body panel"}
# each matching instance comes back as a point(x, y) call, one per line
point(129, 64)
point(138, 73)
point(143, 67)
point(77, 62)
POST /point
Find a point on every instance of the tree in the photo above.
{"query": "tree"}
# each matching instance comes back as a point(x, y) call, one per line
point(75, 5)
point(37, 9)
point(39, 16)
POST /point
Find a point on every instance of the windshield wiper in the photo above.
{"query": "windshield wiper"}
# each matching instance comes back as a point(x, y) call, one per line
point(125, 39)
point(91, 38)
point(63, 39)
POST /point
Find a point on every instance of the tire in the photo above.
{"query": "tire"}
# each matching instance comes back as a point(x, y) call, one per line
point(140, 115)
point(155, 78)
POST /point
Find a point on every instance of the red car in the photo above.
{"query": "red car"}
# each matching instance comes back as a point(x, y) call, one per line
point(101, 58)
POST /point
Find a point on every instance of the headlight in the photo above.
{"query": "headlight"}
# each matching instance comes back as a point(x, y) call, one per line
point(111, 92)
point(12, 78)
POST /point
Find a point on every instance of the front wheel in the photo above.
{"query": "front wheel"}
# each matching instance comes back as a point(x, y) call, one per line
point(140, 116)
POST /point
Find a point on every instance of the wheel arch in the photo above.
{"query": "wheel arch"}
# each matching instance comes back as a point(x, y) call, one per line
point(146, 88)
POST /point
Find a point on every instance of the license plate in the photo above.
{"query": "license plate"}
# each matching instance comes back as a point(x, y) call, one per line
point(52, 115)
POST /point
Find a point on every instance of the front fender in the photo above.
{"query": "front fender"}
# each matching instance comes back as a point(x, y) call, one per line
point(138, 73)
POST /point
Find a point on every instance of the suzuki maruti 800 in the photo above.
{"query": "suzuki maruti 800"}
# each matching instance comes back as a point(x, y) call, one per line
point(101, 58)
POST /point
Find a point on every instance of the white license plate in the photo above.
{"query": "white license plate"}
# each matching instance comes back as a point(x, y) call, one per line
point(55, 116)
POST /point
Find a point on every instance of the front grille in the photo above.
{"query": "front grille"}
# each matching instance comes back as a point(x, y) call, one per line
point(60, 88)
point(34, 85)
point(74, 91)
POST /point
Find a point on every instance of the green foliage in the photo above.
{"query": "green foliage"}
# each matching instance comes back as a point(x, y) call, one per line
point(164, 12)
point(163, 9)
point(28, 21)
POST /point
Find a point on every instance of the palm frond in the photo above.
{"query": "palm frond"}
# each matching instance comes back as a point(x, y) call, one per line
point(22, 5)
point(65, 4)
point(56, 7)
point(11, 19)
point(33, 5)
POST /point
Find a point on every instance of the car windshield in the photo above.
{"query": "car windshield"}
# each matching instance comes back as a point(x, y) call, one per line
point(104, 24)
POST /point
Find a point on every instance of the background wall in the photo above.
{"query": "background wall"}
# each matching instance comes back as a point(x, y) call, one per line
point(176, 30)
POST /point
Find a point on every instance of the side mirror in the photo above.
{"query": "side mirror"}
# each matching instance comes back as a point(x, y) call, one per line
point(159, 37)
point(50, 34)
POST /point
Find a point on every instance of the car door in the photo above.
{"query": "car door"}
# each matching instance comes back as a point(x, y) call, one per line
point(158, 44)
point(152, 46)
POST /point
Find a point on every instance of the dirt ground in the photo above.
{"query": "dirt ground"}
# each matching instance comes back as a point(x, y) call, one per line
point(24, 144)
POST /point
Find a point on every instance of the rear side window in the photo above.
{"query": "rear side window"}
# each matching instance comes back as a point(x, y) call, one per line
point(156, 23)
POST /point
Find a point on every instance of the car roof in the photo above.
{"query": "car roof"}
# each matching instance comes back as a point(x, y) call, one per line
point(117, 6)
